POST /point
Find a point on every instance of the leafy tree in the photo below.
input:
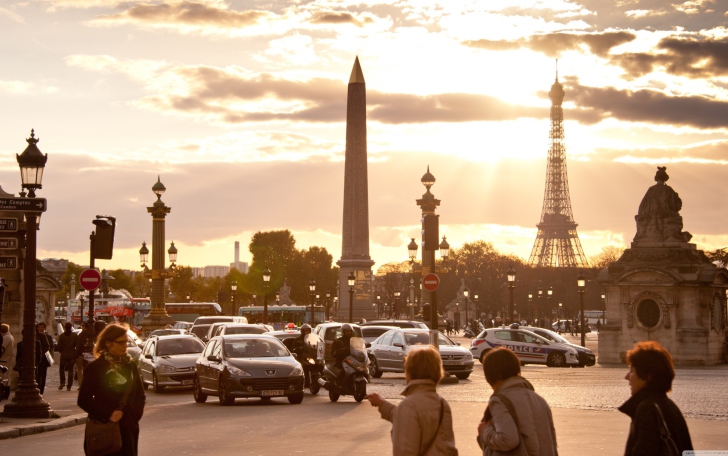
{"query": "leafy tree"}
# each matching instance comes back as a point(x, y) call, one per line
point(719, 255)
point(606, 257)
point(71, 269)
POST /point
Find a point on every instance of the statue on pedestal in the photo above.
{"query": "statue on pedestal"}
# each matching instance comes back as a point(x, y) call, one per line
point(658, 218)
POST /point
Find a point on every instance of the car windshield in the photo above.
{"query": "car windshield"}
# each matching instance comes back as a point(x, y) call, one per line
point(552, 336)
point(200, 330)
point(245, 330)
point(254, 348)
point(185, 346)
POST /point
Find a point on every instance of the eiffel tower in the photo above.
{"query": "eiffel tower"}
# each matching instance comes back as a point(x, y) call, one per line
point(557, 244)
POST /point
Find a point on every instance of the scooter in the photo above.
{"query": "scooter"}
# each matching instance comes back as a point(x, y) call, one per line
point(313, 362)
point(467, 332)
point(356, 374)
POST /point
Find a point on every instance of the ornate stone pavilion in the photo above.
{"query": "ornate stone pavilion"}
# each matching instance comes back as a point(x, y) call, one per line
point(663, 288)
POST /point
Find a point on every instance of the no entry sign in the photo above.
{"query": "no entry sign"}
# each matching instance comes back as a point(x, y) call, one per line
point(90, 279)
point(430, 282)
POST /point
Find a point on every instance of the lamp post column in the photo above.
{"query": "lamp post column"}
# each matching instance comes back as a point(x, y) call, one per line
point(511, 286)
point(312, 292)
point(266, 280)
point(581, 284)
point(352, 281)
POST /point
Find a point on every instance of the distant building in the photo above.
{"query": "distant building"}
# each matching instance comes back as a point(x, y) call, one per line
point(216, 271)
point(198, 272)
point(237, 264)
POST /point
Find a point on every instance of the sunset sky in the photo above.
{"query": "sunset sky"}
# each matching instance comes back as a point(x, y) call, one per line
point(240, 107)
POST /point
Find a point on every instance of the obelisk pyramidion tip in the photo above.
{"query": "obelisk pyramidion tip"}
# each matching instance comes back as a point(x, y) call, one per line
point(357, 76)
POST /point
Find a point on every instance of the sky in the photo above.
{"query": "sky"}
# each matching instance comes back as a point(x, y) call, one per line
point(239, 107)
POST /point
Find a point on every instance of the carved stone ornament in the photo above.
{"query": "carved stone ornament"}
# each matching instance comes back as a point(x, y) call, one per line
point(629, 308)
point(717, 317)
point(661, 306)
point(666, 316)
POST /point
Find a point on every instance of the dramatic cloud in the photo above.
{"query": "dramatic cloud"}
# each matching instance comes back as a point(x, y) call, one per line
point(690, 57)
point(553, 44)
point(339, 18)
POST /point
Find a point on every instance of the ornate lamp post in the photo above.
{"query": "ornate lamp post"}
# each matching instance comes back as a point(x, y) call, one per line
point(266, 280)
point(558, 318)
point(475, 301)
point(466, 295)
point(278, 298)
point(233, 294)
point(530, 305)
point(326, 305)
point(412, 250)
point(538, 307)
point(28, 402)
point(581, 284)
point(351, 279)
point(549, 293)
point(255, 300)
point(511, 285)
point(157, 317)
point(312, 290)
point(379, 306)
point(604, 308)
point(395, 312)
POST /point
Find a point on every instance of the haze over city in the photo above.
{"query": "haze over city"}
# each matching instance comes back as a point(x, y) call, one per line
point(239, 107)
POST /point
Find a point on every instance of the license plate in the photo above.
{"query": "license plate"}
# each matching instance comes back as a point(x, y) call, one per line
point(272, 393)
point(451, 362)
point(186, 382)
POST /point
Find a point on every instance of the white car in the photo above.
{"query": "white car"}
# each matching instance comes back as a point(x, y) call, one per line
point(529, 347)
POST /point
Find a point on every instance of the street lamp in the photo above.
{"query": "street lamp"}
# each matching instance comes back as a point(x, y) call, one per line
point(530, 306)
point(412, 249)
point(511, 285)
point(475, 301)
point(466, 293)
point(379, 306)
point(351, 279)
point(538, 307)
point(549, 293)
point(326, 305)
point(312, 291)
point(28, 402)
point(604, 308)
point(234, 293)
point(558, 318)
point(266, 280)
point(396, 301)
point(581, 284)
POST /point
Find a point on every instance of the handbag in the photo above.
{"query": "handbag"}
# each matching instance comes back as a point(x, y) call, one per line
point(104, 437)
point(668, 444)
point(437, 431)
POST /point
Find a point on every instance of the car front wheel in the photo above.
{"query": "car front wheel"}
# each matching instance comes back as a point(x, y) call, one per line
point(200, 397)
point(224, 395)
point(556, 360)
point(155, 382)
point(295, 398)
point(374, 369)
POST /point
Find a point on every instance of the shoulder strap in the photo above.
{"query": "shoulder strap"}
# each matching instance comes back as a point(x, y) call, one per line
point(512, 411)
point(127, 390)
point(665, 434)
point(437, 431)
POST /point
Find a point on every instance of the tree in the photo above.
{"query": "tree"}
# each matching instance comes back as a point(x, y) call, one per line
point(609, 255)
point(274, 250)
point(71, 269)
point(121, 281)
point(719, 255)
point(182, 283)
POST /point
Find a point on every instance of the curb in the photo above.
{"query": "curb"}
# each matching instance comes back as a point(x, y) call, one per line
point(38, 428)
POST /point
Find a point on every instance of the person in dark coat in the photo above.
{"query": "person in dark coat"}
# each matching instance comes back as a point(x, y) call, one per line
point(650, 379)
point(19, 355)
point(81, 343)
point(105, 380)
point(46, 345)
point(67, 348)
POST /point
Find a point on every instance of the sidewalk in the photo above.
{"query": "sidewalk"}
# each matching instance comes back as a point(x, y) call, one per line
point(63, 404)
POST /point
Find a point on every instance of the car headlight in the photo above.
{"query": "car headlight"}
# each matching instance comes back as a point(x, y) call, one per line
point(468, 356)
point(237, 372)
point(166, 368)
point(298, 370)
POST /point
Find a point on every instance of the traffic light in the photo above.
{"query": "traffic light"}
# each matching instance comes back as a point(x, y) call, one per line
point(103, 245)
point(431, 231)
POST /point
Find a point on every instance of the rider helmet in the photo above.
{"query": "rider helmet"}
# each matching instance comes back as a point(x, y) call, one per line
point(347, 327)
point(306, 329)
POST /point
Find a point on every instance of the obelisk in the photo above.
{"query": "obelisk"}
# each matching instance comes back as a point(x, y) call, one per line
point(355, 232)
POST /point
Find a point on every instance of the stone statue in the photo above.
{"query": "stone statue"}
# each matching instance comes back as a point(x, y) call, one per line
point(658, 218)
point(285, 294)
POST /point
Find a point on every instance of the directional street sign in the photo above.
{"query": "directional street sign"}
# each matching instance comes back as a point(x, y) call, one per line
point(8, 262)
point(90, 279)
point(23, 204)
point(430, 282)
point(8, 225)
point(8, 243)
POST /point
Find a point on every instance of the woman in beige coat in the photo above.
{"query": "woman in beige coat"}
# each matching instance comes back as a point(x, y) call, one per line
point(422, 422)
point(517, 420)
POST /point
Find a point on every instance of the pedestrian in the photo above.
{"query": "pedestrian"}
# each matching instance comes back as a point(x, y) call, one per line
point(106, 381)
point(84, 351)
point(599, 325)
point(422, 422)
point(650, 378)
point(517, 421)
point(7, 352)
point(67, 348)
point(46, 349)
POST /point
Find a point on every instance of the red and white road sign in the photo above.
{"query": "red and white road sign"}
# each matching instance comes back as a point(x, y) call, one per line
point(430, 282)
point(90, 279)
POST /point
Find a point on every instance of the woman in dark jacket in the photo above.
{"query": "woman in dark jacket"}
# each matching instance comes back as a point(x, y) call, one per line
point(106, 379)
point(650, 379)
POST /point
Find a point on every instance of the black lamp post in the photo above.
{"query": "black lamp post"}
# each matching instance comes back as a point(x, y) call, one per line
point(28, 402)
point(395, 313)
point(511, 285)
point(326, 304)
point(466, 295)
point(475, 301)
point(549, 293)
point(233, 294)
point(604, 307)
point(379, 306)
point(538, 307)
point(558, 318)
point(351, 279)
point(266, 280)
point(530, 306)
point(312, 292)
point(581, 284)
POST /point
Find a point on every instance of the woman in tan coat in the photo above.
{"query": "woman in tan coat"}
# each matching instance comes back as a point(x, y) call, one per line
point(422, 422)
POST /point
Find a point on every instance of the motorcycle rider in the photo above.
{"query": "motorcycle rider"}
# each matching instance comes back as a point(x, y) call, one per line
point(340, 349)
point(299, 348)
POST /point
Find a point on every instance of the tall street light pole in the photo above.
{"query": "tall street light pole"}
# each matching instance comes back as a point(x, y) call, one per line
point(511, 285)
point(395, 313)
point(326, 304)
point(351, 279)
point(538, 307)
point(549, 293)
point(312, 291)
point(581, 284)
point(530, 306)
point(234, 294)
point(266, 280)
point(28, 402)
point(466, 294)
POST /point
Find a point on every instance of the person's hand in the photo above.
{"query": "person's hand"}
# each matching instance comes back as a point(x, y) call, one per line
point(116, 416)
point(375, 399)
point(482, 426)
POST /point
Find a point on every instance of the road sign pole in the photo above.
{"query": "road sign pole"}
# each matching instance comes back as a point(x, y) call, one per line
point(92, 331)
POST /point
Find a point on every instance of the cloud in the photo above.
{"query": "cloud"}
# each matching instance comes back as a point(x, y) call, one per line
point(554, 44)
point(651, 106)
point(680, 56)
point(330, 17)
point(26, 88)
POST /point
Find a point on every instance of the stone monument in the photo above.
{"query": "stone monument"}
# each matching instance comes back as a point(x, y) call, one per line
point(355, 233)
point(663, 288)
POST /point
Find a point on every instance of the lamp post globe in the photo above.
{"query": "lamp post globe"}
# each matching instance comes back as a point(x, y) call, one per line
point(412, 250)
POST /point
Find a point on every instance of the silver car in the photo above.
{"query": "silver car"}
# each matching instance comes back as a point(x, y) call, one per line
point(387, 353)
point(169, 361)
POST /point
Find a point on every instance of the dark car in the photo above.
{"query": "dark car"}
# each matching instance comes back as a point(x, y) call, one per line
point(247, 366)
point(169, 361)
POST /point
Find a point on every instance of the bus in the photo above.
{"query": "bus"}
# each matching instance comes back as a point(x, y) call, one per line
point(189, 311)
point(279, 316)
point(592, 316)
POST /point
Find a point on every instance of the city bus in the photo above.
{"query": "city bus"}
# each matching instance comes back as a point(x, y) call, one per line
point(592, 316)
point(189, 311)
point(279, 316)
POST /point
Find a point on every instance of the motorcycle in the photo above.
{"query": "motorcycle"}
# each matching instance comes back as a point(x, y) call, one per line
point(356, 373)
point(469, 333)
point(313, 361)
